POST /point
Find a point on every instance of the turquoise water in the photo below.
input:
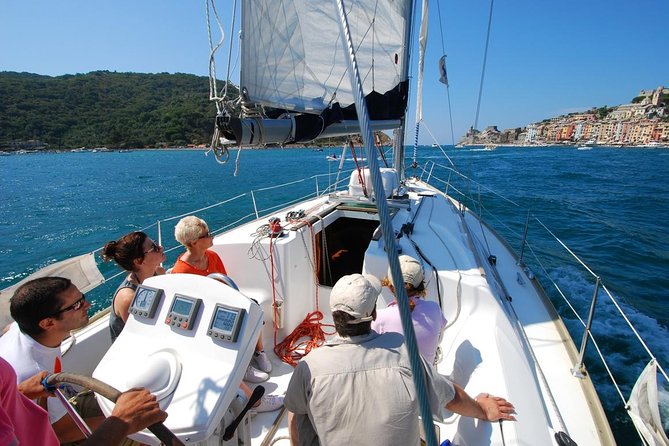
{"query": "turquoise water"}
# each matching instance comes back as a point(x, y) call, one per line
point(610, 206)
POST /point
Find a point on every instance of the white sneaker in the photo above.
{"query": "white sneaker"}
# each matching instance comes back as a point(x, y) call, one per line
point(254, 375)
point(262, 361)
point(268, 403)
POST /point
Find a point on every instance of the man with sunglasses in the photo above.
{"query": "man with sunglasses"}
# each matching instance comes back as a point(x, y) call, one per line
point(44, 311)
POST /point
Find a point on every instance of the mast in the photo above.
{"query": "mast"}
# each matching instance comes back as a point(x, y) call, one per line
point(398, 140)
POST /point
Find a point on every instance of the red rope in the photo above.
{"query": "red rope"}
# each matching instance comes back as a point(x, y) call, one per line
point(309, 334)
point(361, 179)
point(306, 336)
point(380, 150)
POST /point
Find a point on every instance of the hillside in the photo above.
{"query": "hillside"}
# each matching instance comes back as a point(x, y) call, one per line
point(105, 109)
point(108, 109)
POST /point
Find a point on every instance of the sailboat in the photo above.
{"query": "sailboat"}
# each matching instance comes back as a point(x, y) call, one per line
point(188, 338)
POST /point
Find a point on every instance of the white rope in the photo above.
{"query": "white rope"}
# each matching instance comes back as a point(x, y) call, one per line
point(213, 93)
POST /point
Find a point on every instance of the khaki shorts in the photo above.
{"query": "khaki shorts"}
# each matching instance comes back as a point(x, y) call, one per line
point(87, 406)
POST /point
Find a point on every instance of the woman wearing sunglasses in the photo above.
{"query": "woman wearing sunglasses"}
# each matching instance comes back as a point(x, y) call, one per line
point(193, 233)
point(141, 257)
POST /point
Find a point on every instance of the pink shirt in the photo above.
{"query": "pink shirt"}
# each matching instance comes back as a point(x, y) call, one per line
point(428, 323)
point(22, 422)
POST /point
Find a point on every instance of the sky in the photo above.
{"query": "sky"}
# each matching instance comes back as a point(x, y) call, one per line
point(545, 58)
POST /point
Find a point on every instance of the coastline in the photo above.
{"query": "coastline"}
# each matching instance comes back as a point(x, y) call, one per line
point(483, 147)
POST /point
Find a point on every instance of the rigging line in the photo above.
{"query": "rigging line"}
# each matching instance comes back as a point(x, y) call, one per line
point(620, 310)
point(441, 29)
point(458, 292)
point(448, 89)
point(480, 219)
point(213, 93)
point(501, 433)
point(371, 68)
point(387, 229)
point(566, 248)
point(427, 127)
point(638, 336)
point(232, 31)
point(480, 185)
point(485, 60)
point(509, 306)
point(414, 163)
point(450, 114)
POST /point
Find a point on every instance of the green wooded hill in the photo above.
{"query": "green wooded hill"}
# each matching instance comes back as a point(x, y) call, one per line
point(102, 108)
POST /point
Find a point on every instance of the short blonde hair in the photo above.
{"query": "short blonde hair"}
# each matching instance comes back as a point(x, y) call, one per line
point(190, 229)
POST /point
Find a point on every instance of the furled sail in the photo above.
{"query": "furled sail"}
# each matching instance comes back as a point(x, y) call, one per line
point(422, 43)
point(293, 63)
point(643, 407)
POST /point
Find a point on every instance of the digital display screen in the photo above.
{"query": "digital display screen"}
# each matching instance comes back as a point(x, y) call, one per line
point(224, 319)
point(225, 323)
point(144, 297)
point(182, 306)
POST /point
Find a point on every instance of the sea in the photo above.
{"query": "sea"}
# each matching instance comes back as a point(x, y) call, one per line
point(610, 206)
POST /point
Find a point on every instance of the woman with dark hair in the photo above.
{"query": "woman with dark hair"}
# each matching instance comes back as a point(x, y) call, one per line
point(141, 257)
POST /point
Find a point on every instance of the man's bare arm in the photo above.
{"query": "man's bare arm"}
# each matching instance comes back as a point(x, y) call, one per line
point(292, 429)
point(484, 406)
point(135, 410)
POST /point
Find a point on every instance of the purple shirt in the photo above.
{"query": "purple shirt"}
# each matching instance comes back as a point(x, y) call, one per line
point(428, 323)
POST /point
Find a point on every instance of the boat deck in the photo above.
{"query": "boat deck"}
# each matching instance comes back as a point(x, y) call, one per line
point(483, 348)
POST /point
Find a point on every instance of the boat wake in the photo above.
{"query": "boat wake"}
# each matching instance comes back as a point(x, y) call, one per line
point(615, 339)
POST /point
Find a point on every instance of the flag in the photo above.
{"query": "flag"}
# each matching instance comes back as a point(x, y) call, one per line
point(443, 78)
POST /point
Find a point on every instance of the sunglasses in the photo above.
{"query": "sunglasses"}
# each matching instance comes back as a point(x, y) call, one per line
point(206, 235)
point(75, 306)
point(153, 248)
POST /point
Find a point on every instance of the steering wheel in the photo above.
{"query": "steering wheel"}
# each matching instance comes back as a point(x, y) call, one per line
point(159, 430)
point(225, 279)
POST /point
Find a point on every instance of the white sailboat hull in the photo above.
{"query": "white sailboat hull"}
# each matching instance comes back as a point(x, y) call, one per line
point(483, 348)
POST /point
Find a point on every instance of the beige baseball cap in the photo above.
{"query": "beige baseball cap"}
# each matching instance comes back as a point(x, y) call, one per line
point(412, 270)
point(356, 295)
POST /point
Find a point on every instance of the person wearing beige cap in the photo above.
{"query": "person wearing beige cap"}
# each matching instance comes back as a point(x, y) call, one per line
point(428, 320)
point(358, 387)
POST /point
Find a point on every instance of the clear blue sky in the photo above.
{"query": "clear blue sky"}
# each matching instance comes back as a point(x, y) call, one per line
point(545, 58)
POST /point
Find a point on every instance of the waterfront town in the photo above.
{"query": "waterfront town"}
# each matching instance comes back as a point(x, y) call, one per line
point(642, 122)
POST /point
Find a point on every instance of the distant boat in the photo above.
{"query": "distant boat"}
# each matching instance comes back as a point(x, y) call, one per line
point(332, 158)
point(584, 148)
point(490, 147)
point(434, 144)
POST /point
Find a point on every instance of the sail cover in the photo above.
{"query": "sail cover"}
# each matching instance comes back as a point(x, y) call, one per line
point(81, 270)
point(643, 407)
point(292, 56)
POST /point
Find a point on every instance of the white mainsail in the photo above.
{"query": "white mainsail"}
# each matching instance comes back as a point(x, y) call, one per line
point(292, 56)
